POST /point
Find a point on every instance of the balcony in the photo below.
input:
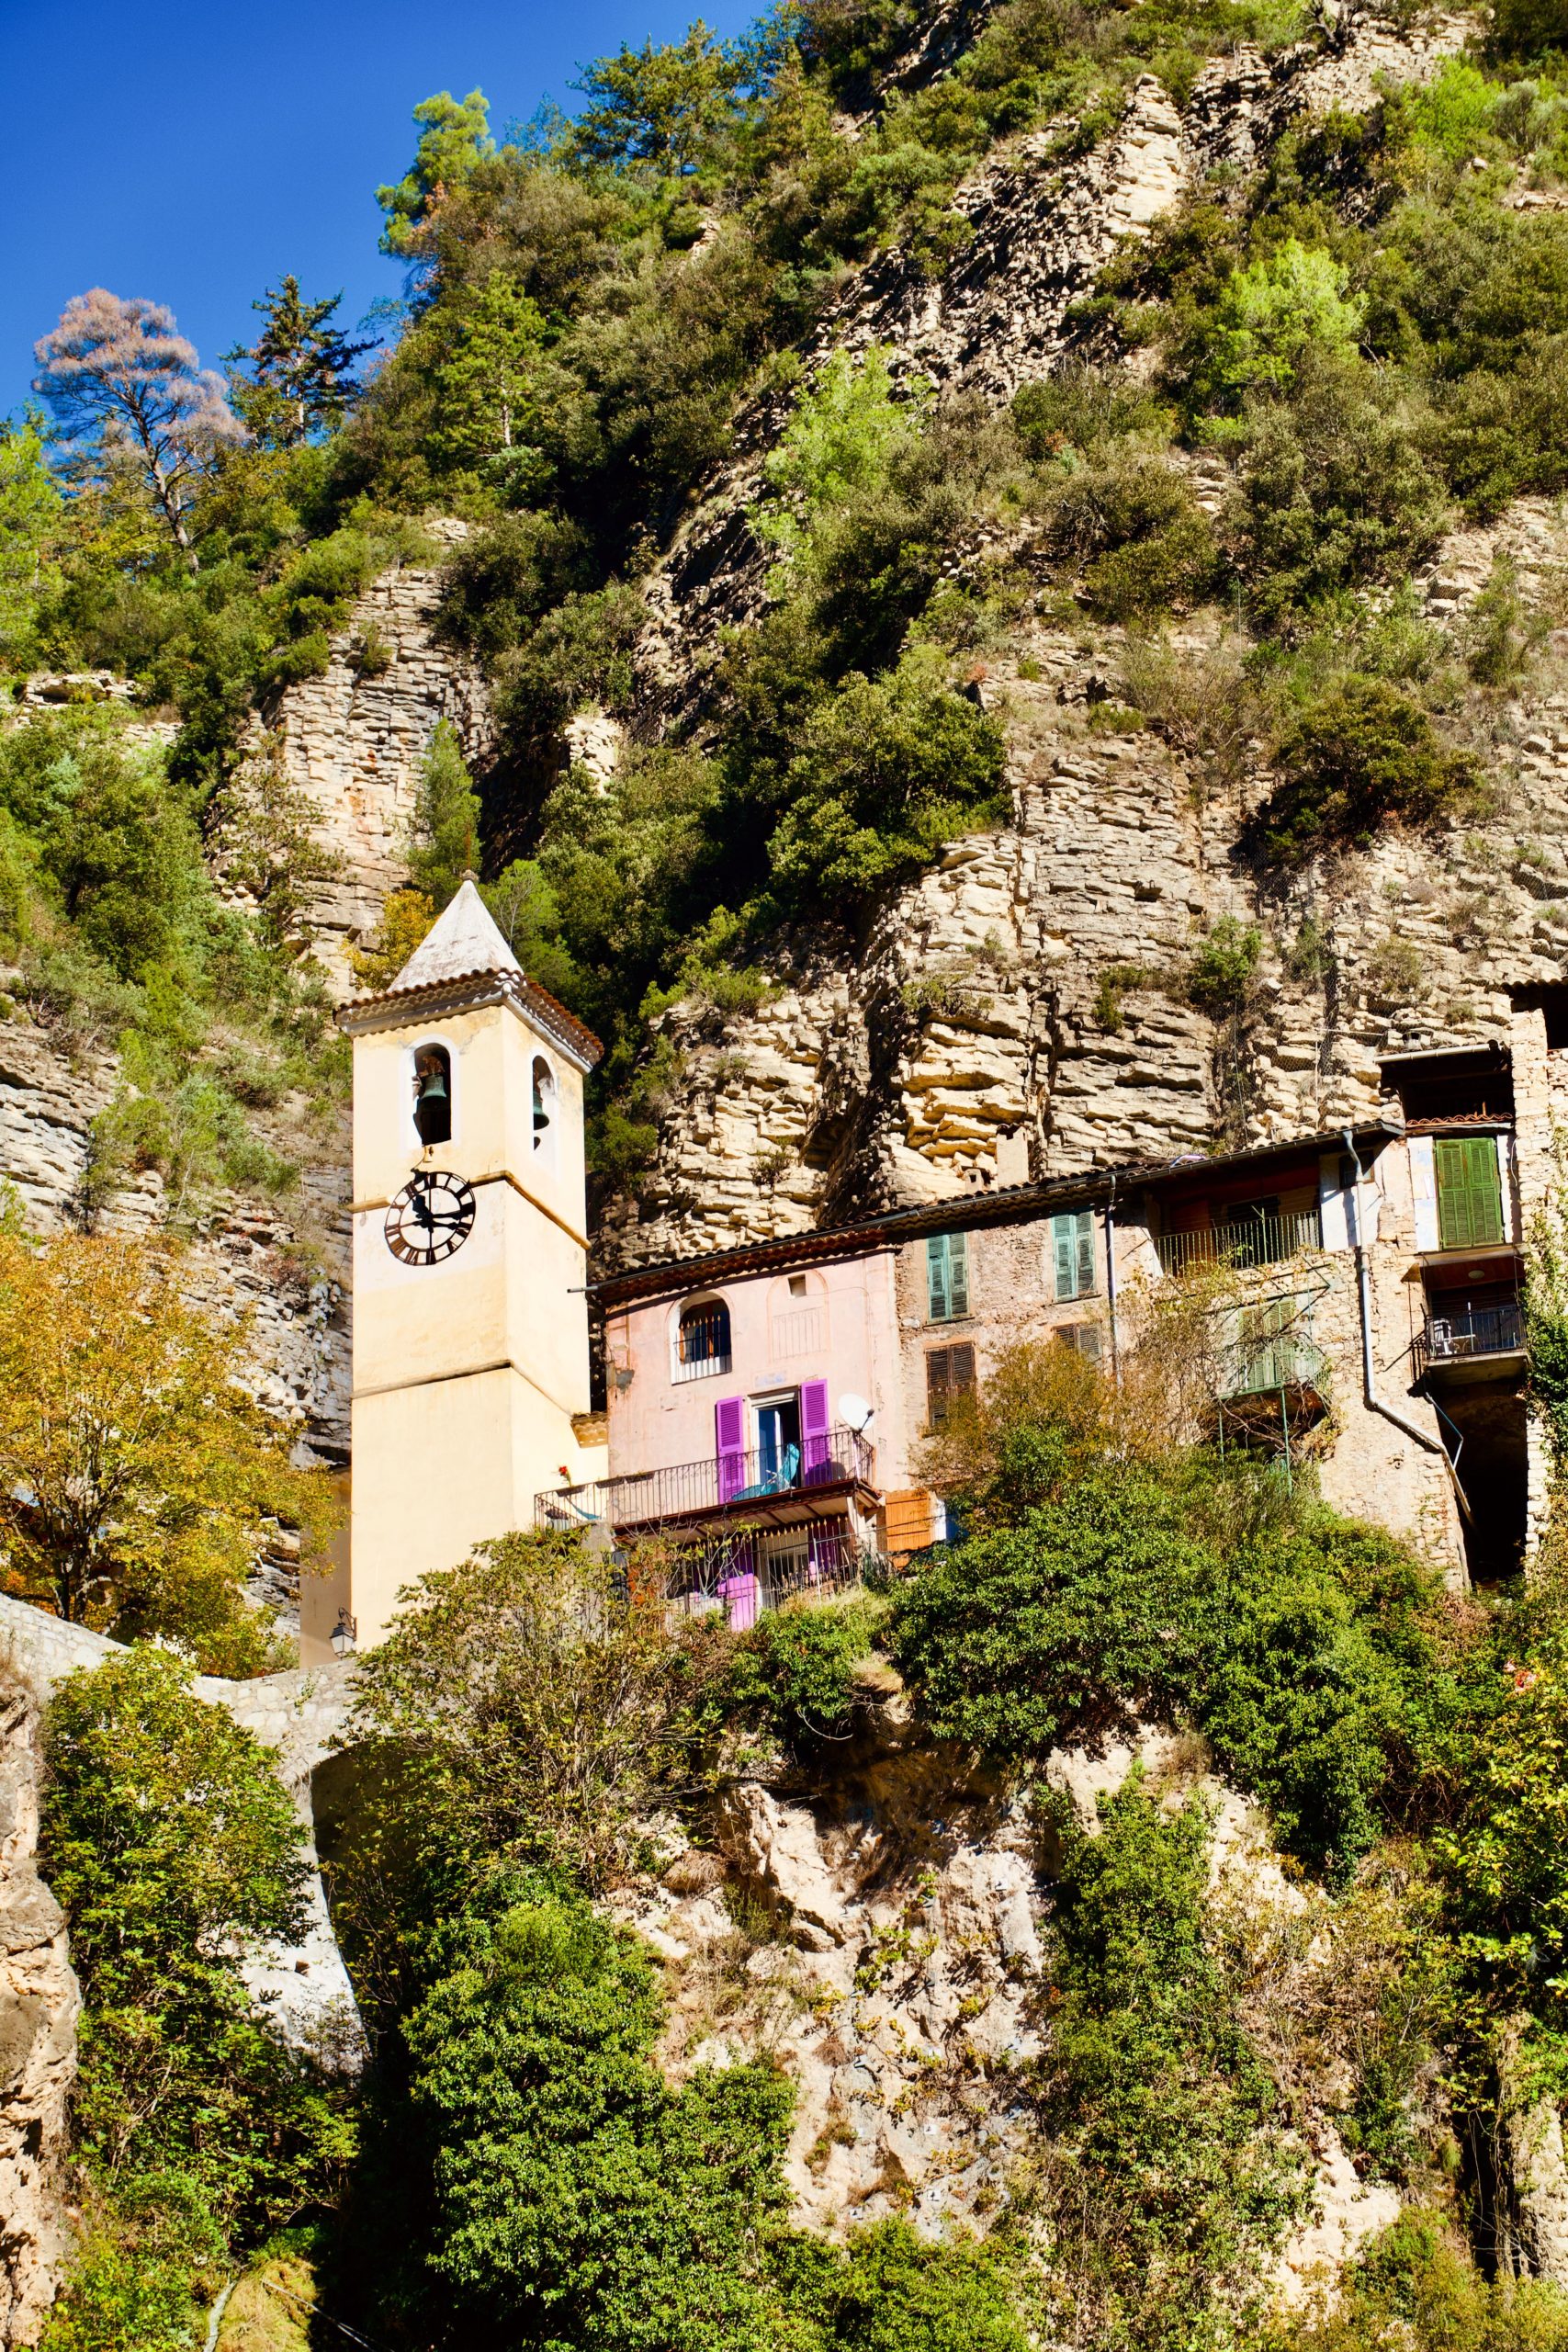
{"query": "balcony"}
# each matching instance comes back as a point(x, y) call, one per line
point(762, 1488)
point(1261, 1241)
point(1470, 1335)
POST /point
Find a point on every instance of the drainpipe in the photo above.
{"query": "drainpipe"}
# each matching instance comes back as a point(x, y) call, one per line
point(1111, 1282)
point(1374, 1402)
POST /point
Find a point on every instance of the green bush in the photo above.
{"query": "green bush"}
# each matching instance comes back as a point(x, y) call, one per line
point(1305, 1647)
point(888, 771)
point(1335, 491)
point(1170, 2181)
point(1417, 2285)
point(1268, 315)
point(795, 1671)
point(171, 1843)
point(1362, 756)
point(578, 2198)
point(1131, 522)
point(1219, 979)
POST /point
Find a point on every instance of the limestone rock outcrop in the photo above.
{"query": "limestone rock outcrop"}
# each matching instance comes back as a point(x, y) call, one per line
point(39, 2009)
point(350, 743)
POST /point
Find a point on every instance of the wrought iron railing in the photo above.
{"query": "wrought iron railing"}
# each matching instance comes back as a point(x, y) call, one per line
point(1468, 1331)
point(740, 1573)
point(1260, 1241)
point(731, 1480)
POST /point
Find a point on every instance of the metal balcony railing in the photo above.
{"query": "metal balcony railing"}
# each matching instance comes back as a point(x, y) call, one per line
point(1465, 1333)
point(1261, 1241)
point(730, 1481)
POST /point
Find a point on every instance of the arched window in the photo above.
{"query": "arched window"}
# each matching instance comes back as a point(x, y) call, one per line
point(702, 1339)
point(432, 1094)
point(544, 1120)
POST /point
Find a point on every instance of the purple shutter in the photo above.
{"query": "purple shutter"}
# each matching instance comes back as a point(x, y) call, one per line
point(815, 1464)
point(729, 1425)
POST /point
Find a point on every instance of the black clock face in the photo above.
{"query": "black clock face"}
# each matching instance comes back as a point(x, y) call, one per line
point(430, 1218)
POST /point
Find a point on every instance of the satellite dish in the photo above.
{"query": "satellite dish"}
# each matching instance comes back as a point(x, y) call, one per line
point(854, 1412)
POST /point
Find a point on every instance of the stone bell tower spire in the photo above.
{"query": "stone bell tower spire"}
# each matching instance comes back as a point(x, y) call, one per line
point(470, 1321)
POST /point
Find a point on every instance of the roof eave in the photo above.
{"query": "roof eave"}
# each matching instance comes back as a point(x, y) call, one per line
point(470, 992)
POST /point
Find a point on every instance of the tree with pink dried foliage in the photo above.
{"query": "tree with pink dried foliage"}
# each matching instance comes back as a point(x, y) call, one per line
point(118, 371)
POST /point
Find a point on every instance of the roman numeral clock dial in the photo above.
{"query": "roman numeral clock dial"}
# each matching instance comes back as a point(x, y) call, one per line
point(430, 1218)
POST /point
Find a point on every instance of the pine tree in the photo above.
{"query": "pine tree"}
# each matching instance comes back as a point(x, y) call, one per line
point(487, 391)
point(445, 828)
point(119, 378)
point(301, 369)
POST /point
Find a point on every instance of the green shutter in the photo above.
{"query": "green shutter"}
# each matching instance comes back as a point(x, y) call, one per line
point(1086, 1253)
point(937, 1307)
point(1470, 1195)
point(1072, 1239)
point(947, 1277)
point(958, 1274)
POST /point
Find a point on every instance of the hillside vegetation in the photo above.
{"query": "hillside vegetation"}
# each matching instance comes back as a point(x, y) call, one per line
point(1372, 331)
point(607, 320)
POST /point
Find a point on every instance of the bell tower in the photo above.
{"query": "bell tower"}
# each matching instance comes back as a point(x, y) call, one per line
point(470, 1321)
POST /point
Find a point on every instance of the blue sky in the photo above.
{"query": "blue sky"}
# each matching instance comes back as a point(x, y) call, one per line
point(194, 152)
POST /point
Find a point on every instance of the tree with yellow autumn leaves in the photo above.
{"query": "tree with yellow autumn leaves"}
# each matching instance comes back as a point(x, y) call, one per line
point(137, 1476)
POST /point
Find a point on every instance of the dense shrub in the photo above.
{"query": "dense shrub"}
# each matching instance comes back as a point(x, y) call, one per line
point(1308, 1649)
point(794, 1672)
point(1335, 491)
point(1361, 757)
point(1170, 2181)
point(171, 1844)
point(1134, 526)
point(578, 2198)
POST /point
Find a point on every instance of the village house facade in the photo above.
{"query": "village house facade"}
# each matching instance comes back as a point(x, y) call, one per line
point(768, 1407)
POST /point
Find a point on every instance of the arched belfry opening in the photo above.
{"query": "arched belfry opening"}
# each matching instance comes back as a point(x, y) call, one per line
point(432, 1094)
point(544, 1113)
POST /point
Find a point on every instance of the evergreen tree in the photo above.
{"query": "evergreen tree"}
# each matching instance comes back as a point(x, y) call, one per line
point(301, 369)
point(455, 137)
point(666, 107)
point(29, 509)
point(445, 828)
point(119, 378)
point(487, 391)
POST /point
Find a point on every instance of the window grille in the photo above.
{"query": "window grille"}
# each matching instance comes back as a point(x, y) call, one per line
point(702, 1342)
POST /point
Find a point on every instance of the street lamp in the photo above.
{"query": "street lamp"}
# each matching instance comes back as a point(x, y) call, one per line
point(345, 1633)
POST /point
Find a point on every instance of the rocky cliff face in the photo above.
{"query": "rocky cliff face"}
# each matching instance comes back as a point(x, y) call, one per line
point(349, 744)
point(1040, 231)
point(39, 2009)
point(881, 1933)
point(1021, 1010)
